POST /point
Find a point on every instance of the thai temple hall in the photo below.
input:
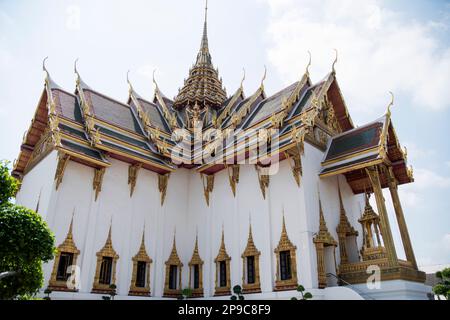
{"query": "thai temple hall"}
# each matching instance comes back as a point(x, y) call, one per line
point(277, 190)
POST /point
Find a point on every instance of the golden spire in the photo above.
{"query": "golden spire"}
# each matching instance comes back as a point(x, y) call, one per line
point(250, 248)
point(196, 259)
point(143, 239)
point(323, 236)
point(204, 44)
point(222, 255)
point(284, 243)
point(322, 223)
point(69, 236)
point(68, 243)
point(203, 84)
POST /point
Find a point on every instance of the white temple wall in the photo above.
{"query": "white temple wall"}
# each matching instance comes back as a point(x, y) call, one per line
point(185, 211)
point(39, 180)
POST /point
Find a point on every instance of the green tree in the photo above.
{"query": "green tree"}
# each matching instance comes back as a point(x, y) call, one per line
point(305, 295)
point(8, 184)
point(237, 290)
point(443, 287)
point(26, 242)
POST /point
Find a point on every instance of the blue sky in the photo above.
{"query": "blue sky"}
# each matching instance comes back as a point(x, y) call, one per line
point(401, 45)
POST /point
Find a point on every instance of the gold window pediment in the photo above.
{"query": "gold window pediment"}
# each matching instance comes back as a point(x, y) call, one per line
point(284, 245)
point(251, 251)
point(106, 252)
point(223, 256)
point(67, 246)
point(196, 260)
point(174, 260)
point(141, 256)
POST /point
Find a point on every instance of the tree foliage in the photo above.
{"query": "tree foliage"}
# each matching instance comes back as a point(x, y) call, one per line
point(8, 184)
point(26, 242)
point(305, 295)
point(443, 287)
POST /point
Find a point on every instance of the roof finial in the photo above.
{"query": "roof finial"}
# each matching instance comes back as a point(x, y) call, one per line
point(264, 76)
point(335, 61)
point(204, 44)
point(128, 81)
point(43, 65)
point(154, 80)
point(75, 66)
point(390, 104)
point(309, 63)
point(76, 70)
point(243, 78)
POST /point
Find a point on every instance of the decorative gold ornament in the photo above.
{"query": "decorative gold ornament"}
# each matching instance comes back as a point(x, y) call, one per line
point(208, 185)
point(63, 159)
point(98, 180)
point(203, 84)
point(196, 261)
point(133, 171)
point(141, 256)
point(42, 148)
point(233, 176)
point(106, 252)
point(173, 260)
point(370, 223)
point(223, 256)
point(295, 164)
point(344, 229)
point(286, 245)
point(321, 240)
point(163, 180)
point(263, 178)
point(251, 251)
point(68, 246)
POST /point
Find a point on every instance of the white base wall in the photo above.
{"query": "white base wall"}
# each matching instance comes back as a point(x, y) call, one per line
point(184, 214)
point(395, 290)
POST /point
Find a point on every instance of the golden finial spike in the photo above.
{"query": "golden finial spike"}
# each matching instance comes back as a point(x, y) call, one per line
point(75, 66)
point(129, 82)
point(335, 61)
point(390, 104)
point(309, 63)
point(38, 201)
point(243, 79)
point(341, 203)
point(43, 65)
point(76, 71)
point(69, 234)
point(264, 77)
point(154, 80)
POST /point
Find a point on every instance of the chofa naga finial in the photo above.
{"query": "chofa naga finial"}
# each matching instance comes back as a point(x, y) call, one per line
point(335, 61)
point(390, 103)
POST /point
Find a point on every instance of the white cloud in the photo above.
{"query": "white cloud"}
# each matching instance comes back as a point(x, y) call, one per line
point(378, 51)
point(425, 179)
point(147, 71)
point(437, 250)
point(416, 152)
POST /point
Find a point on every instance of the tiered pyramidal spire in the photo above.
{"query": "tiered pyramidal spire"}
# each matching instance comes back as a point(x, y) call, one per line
point(203, 86)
